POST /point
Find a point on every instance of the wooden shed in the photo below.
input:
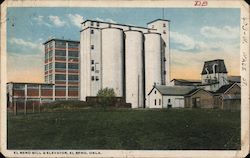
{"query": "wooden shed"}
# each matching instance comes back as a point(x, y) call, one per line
point(199, 98)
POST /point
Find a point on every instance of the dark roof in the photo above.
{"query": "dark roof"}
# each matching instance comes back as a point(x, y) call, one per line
point(158, 20)
point(186, 82)
point(224, 88)
point(234, 79)
point(208, 66)
point(173, 90)
point(56, 39)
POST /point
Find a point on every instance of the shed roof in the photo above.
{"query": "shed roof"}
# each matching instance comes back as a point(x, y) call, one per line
point(224, 88)
point(173, 90)
point(208, 67)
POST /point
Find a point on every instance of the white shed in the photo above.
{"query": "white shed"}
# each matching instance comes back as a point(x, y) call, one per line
point(162, 96)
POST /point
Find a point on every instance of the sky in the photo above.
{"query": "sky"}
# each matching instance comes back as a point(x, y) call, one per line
point(196, 35)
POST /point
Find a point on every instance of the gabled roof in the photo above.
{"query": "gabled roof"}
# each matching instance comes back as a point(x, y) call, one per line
point(225, 88)
point(192, 92)
point(208, 67)
point(173, 90)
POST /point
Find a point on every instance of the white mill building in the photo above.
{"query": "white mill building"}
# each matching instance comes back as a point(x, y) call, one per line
point(129, 59)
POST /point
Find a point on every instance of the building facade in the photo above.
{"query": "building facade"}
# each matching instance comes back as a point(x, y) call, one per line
point(61, 68)
point(29, 93)
point(129, 59)
point(162, 96)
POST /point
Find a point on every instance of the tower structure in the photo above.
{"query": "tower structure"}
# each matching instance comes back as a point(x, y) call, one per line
point(214, 74)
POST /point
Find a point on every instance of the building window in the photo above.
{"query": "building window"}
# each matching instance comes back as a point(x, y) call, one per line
point(97, 24)
point(91, 23)
point(155, 102)
point(73, 54)
point(73, 88)
point(92, 78)
point(92, 47)
point(32, 86)
point(164, 32)
point(159, 101)
point(46, 67)
point(46, 86)
point(164, 24)
point(60, 53)
point(92, 68)
point(60, 44)
point(50, 66)
point(165, 72)
point(155, 92)
point(60, 88)
point(92, 31)
point(169, 100)
point(165, 59)
point(153, 26)
point(72, 66)
point(73, 45)
point(97, 78)
point(18, 87)
point(60, 77)
point(60, 65)
point(92, 62)
point(73, 78)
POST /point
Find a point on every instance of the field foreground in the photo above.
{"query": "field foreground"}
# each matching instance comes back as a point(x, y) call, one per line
point(126, 129)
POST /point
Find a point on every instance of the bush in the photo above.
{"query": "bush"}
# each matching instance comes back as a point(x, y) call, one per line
point(106, 95)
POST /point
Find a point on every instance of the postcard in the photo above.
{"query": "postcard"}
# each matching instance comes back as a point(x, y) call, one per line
point(124, 78)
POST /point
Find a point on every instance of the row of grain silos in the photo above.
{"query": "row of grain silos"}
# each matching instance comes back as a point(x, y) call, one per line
point(131, 63)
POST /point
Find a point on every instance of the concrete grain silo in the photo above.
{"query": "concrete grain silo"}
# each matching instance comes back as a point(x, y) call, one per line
point(112, 60)
point(152, 61)
point(134, 81)
point(84, 66)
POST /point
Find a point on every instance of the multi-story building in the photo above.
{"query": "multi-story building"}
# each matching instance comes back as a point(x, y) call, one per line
point(61, 67)
point(129, 59)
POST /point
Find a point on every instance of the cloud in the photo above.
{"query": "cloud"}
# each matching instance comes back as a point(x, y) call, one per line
point(106, 20)
point(76, 19)
point(185, 42)
point(26, 43)
point(57, 21)
point(40, 20)
point(226, 32)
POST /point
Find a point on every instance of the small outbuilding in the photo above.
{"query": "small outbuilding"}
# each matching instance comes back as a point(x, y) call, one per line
point(228, 97)
point(199, 98)
point(162, 96)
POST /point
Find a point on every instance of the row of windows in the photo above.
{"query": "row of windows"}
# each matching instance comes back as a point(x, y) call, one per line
point(60, 44)
point(164, 25)
point(70, 88)
point(61, 66)
point(94, 78)
point(156, 102)
point(62, 77)
point(31, 86)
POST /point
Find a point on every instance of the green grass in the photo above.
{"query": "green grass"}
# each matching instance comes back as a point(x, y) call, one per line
point(126, 129)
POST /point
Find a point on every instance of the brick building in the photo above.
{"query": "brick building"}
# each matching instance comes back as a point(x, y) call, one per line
point(61, 67)
point(25, 94)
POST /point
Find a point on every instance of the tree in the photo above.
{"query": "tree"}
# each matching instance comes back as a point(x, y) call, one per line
point(106, 92)
point(106, 95)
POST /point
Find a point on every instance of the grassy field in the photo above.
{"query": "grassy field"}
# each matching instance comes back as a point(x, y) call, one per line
point(126, 129)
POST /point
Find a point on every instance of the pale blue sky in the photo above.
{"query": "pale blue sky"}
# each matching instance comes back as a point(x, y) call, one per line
point(198, 34)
